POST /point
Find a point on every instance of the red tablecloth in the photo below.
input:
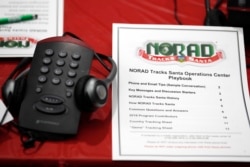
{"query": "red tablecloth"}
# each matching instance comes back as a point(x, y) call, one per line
point(92, 21)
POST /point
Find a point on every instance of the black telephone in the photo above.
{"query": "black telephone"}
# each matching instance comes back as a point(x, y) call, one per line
point(51, 95)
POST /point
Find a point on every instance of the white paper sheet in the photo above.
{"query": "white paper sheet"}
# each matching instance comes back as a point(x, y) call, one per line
point(19, 39)
point(6, 116)
point(180, 94)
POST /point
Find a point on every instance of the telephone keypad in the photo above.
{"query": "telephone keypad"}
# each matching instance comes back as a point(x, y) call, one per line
point(51, 59)
point(57, 65)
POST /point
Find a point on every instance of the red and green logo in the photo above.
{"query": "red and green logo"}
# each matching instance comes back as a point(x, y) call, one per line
point(199, 53)
point(17, 42)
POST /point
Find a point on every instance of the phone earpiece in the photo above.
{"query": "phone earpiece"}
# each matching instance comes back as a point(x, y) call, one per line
point(14, 87)
point(13, 93)
point(8, 91)
point(90, 93)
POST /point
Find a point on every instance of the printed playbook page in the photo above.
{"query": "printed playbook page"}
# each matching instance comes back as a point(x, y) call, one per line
point(180, 94)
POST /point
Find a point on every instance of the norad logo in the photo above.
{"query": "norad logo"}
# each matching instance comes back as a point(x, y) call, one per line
point(201, 53)
point(17, 42)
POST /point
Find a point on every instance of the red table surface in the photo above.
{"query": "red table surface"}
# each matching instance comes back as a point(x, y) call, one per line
point(92, 20)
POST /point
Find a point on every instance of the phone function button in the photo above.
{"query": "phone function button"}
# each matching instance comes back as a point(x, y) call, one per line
point(69, 82)
point(42, 79)
point(50, 109)
point(76, 56)
point(50, 99)
point(47, 60)
point(73, 64)
point(62, 54)
point(58, 71)
point(49, 52)
point(38, 90)
point(60, 62)
point(68, 93)
point(71, 73)
point(44, 69)
point(56, 80)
